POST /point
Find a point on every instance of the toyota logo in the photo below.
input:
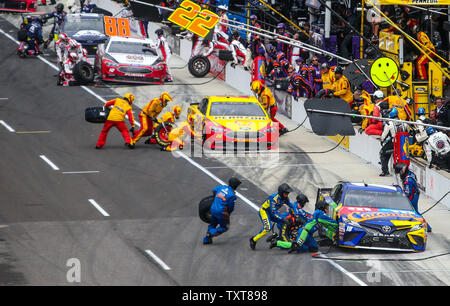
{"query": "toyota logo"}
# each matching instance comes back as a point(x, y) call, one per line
point(386, 228)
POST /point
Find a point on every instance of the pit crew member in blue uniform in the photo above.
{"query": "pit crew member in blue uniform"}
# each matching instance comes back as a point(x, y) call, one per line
point(221, 209)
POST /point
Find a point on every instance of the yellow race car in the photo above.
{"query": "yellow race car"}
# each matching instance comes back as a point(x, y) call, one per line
point(233, 122)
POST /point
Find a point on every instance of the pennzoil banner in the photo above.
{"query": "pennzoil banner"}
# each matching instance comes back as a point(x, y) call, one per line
point(412, 2)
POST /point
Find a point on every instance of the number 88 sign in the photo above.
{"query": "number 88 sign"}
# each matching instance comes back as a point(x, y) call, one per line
point(191, 17)
point(117, 26)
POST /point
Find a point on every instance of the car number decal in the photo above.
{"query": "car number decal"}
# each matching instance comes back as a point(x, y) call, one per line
point(117, 26)
point(191, 17)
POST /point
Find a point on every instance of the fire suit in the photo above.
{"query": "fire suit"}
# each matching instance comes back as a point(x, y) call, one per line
point(163, 46)
point(305, 240)
point(328, 80)
point(34, 33)
point(268, 102)
point(269, 213)
point(177, 135)
point(423, 59)
point(342, 90)
point(116, 118)
point(146, 117)
point(221, 210)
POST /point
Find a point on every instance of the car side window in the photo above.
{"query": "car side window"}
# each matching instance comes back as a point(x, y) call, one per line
point(336, 193)
point(203, 107)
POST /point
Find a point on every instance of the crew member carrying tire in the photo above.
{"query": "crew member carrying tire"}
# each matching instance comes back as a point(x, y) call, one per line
point(116, 118)
point(221, 209)
point(149, 114)
point(265, 97)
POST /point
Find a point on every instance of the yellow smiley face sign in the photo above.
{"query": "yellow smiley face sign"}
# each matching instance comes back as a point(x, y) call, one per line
point(384, 72)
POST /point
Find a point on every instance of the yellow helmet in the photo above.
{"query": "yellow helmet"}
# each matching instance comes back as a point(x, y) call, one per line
point(177, 111)
point(257, 86)
point(165, 97)
point(129, 97)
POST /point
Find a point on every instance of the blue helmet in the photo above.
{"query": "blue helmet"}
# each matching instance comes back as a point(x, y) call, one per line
point(393, 113)
point(431, 130)
point(421, 111)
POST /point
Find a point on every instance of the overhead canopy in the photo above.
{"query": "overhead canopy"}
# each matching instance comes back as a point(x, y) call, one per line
point(412, 2)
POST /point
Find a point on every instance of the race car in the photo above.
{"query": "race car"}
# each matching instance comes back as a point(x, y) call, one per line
point(24, 5)
point(86, 29)
point(374, 217)
point(229, 122)
point(130, 60)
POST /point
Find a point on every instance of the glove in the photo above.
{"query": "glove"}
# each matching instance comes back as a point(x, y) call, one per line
point(361, 130)
point(132, 129)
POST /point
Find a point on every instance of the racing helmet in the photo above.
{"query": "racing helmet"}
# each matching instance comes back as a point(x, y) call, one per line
point(324, 66)
point(253, 17)
point(431, 130)
point(234, 182)
point(63, 37)
point(302, 199)
point(284, 188)
point(339, 70)
point(28, 19)
point(402, 169)
point(257, 87)
point(378, 94)
point(393, 113)
point(166, 97)
point(321, 205)
point(421, 111)
point(129, 97)
point(59, 7)
point(177, 111)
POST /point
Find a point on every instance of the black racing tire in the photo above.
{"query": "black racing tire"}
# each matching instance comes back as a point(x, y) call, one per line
point(289, 232)
point(204, 208)
point(199, 66)
point(162, 133)
point(83, 73)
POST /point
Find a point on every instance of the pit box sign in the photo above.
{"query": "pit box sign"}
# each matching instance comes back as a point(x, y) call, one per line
point(193, 18)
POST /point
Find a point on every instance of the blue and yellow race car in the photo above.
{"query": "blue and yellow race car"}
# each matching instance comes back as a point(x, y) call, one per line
point(374, 217)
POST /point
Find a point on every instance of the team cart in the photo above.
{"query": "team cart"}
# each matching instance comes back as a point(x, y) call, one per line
point(233, 123)
point(373, 217)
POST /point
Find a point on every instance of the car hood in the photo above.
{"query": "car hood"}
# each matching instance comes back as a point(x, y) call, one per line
point(242, 124)
point(377, 215)
point(134, 59)
point(87, 35)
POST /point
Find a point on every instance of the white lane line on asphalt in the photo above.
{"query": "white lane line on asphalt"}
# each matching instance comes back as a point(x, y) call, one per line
point(98, 207)
point(80, 172)
point(208, 173)
point(204, 170)
point(7, 126)
point(3, 98)
point(158, 260)
point(48, 161)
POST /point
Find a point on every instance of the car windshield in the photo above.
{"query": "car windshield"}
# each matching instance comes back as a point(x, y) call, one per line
point(131, 48)
point(377, 199)
point(75, 24)
point(236, 109)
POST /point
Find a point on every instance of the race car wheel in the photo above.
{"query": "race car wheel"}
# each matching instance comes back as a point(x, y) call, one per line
point(83, 73)
point(162, 133)
point(199, 66)
point(204, 209)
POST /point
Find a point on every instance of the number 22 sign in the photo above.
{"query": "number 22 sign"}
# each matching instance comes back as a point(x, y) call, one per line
point(191, 17)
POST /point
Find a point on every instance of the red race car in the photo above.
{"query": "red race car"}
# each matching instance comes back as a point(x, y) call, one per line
point(22, 5)
point(130, 60)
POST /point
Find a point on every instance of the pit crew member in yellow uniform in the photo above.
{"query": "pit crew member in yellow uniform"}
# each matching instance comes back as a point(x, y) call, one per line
point(149, 114)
